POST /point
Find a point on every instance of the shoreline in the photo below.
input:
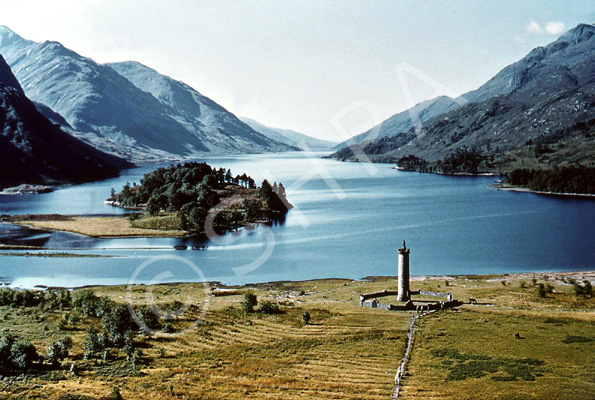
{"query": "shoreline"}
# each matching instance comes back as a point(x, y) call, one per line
point(502, 277)
point(118, 227)
point(520, 189)
point(106, 227)
point(489, 174)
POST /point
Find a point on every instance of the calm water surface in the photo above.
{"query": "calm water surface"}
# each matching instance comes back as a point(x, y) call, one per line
point(349, 219)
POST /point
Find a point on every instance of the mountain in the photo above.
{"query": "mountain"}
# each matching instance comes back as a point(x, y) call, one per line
point(289, 137)
point(35, 151)
point(545, 99)
point(402, 122)
point(218, 129)
point(141, 115)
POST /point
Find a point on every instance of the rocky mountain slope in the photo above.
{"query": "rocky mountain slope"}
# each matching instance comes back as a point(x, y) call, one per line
point(289, 137)
point(35, 151)
point(544, 99)
point(141, 115)
point(402, 122)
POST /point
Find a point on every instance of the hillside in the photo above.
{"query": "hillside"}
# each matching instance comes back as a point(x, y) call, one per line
point(536, 108)
point(167, 120)
point(289, 137)
point(35, 151)
point(402, 121)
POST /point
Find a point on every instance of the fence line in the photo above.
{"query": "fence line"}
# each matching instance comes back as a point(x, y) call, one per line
point(401, 370)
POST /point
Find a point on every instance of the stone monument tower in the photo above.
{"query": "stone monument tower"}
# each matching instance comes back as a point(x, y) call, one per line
point(404, 293)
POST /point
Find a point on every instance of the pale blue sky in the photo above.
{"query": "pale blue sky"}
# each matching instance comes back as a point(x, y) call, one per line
point(296, 63)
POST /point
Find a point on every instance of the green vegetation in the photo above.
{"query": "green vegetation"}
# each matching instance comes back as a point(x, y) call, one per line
point(250, 301)
point(477, 366)
point(462, 161)
point(118, 329)
point(572, 179)
point(321, 344)
point(188, 193)
point(577, 339)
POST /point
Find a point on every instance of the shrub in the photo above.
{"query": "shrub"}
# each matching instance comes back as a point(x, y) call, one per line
point(22, 355)
point(85, 302)
point(306, 317)
point(129, 347)
point(6, 343)
point(58, 350)
point(91, 344)
point(585, 290)
point(62, 324)
point(541, 292)
point(115, 394)
point(268, 307)
point(147, 317)
point(175, 308)
point(167, 328)
point(116, 323)
point(16, 355)
point(73, 317)
point(250, 301)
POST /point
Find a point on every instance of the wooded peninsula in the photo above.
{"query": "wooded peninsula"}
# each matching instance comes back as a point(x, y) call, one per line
point(183, 196)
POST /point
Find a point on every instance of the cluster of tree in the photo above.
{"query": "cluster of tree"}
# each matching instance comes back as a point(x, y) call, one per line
point(462, 160)
point(170, 188)
point(574, 179)
point(274, 197)
point(191, 190)
point(21, 355)
point(118, 328)
point(54, 300)
point(413, 163)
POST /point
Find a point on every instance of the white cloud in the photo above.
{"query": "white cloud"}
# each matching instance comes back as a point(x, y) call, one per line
point(555, 28)
point(551, 28)
point(534, 27)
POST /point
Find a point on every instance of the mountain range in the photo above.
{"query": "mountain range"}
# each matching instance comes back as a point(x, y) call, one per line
point(289, 137)
point(35, 151)
point(545, 99)
point(127, 108)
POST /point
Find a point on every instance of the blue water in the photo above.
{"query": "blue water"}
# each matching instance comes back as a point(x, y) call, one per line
point(348, 221)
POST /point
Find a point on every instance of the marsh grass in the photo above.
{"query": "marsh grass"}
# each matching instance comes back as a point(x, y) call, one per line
point(107, 226)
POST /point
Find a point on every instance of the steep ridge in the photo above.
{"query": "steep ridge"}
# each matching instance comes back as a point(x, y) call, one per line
point(546, 97)
point(110, 111)
point(35, 151)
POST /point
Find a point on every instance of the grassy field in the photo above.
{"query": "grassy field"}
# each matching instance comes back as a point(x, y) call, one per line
point(346, 352)
point(105, 226)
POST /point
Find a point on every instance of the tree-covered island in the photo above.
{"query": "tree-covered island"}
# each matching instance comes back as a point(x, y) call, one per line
point(182, 196)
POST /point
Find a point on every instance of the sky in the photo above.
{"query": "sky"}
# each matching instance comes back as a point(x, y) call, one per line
point(326, 68)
